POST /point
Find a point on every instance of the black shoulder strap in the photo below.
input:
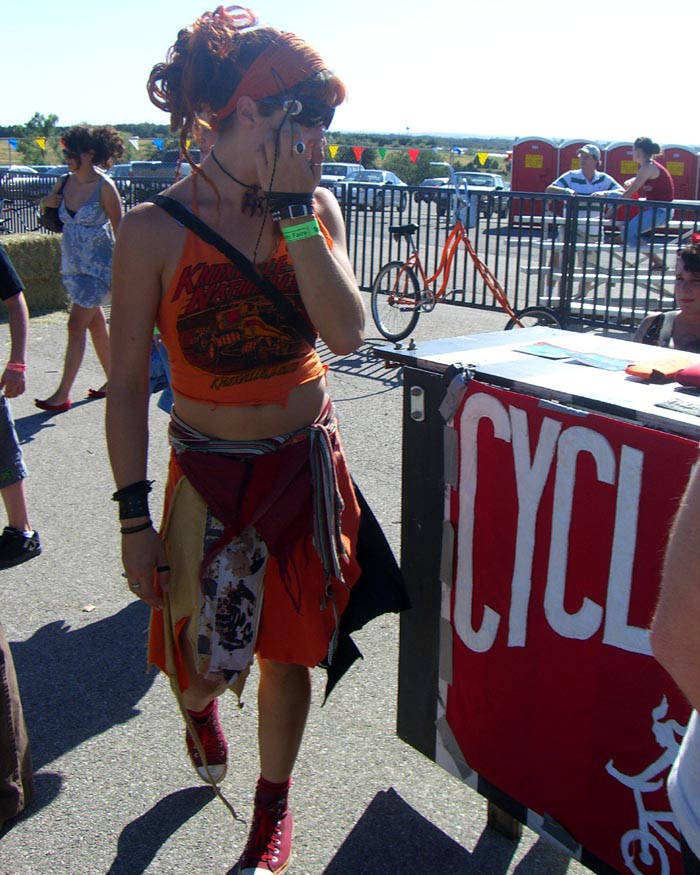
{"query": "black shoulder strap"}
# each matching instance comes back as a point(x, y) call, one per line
point(187, 218)
point(64, 180)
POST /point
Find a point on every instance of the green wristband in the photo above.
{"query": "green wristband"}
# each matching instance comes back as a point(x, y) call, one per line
point(302, 231)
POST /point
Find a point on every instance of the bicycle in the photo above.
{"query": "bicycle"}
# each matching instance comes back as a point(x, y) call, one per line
point(398, 299)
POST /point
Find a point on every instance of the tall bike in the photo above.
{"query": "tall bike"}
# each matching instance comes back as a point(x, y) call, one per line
point(398, 298)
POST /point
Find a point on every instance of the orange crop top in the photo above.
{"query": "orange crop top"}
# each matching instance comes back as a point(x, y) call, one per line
point(227, 343)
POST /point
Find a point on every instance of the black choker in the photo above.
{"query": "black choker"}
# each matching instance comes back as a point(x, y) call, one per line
point(253, 200)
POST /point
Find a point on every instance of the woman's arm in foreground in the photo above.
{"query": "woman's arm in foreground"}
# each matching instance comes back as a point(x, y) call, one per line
point(675, 632)
point(136, 287)
point(327, 282)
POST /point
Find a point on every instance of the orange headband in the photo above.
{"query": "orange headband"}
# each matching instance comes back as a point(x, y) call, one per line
point(278, 68)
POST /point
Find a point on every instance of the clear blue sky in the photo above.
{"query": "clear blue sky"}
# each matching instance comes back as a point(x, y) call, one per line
point(607, 71)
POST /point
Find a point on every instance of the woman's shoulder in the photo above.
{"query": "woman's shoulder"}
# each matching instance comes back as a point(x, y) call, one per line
point(148, 224)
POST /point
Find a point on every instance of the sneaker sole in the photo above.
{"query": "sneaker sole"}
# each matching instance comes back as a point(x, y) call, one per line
point(212, 775)
point(257, 871)
point(23, 557)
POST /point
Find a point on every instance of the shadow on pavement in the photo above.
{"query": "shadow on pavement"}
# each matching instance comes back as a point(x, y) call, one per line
point(141, 840)
point(361, 363)
point(77, 683)
point(393, 837)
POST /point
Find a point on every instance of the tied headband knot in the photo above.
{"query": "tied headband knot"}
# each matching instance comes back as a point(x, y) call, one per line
point(278, 68)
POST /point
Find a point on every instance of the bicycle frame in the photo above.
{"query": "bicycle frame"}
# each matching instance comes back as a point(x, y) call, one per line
point(457, 235)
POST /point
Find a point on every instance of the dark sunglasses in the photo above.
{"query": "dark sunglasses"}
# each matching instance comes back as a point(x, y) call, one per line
point(67, 153)
point(308, 113)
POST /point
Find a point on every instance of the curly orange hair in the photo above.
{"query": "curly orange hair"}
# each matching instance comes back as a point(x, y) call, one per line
point(211, 58)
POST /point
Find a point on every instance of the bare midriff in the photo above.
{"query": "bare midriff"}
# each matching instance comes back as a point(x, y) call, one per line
point(257, 421)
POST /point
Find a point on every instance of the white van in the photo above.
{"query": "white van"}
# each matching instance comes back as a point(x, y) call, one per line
point(337, 171)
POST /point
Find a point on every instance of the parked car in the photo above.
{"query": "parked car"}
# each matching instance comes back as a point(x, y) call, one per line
point(21, 182)
point(121, 174)
point(430, 190)
point(337, 171)
point(150, 177)
point(486, 185)
point(374, 189)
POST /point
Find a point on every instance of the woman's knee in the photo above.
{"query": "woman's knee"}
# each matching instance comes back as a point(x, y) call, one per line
point(79, 320)
point(283, 672)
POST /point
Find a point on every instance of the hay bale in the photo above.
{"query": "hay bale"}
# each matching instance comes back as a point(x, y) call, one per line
point(37, 260)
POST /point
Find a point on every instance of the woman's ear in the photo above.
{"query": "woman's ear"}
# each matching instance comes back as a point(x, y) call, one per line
point(247, 110)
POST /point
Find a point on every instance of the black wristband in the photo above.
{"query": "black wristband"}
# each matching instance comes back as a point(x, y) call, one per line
point(133, 506)
point(291, 211)
point(131, 530)
point(133, 500)
point(142, 487)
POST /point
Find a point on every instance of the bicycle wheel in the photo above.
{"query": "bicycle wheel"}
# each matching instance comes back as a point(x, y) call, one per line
point(395, 301)
point(644, 854)
point(532, 316)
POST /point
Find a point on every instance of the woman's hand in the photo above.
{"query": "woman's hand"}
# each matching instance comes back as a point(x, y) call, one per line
point(144, 560)
point(290, 158)
point(52, 200)
point(12, 383)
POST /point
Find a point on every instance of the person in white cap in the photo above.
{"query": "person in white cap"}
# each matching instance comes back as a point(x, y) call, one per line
point(587, 180)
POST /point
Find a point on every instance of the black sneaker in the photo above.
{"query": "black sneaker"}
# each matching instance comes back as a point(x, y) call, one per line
point(16, 547)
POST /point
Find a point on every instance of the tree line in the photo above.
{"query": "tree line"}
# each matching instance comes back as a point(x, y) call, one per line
point(387, 151)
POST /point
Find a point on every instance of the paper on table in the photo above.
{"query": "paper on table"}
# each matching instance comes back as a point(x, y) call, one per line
point(592, 359)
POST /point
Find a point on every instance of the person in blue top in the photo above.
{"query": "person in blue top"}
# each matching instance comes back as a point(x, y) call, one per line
point(91, 209)
point(585, 181)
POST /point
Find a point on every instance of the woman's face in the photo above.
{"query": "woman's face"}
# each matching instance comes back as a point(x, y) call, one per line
point(687, 290)
point(75, 160)
point(310, 120)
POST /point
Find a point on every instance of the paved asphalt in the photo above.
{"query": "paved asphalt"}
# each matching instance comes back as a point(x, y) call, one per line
point(116, 794)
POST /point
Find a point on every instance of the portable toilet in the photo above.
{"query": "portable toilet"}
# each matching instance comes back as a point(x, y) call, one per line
point(535, 164)
point(683, 164)
point(618, 161)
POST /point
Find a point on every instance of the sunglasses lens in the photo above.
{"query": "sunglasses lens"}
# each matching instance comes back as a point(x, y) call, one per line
point(308, 113)
point(315, 114)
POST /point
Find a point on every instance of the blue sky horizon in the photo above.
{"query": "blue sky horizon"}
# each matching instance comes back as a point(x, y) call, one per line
point(507, 69)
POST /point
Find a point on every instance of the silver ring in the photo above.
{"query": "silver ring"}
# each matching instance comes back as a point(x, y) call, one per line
point(300, 148)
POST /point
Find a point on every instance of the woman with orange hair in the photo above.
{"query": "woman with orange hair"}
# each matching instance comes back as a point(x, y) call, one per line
point(242, 265)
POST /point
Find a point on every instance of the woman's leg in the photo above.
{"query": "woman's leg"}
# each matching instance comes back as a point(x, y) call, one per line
point(99, 334)
point(78, 324)
point(284, 696)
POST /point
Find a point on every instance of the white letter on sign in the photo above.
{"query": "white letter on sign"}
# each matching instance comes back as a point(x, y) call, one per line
point(586, 621)
point(617, 632)
point(530, 480)
point(478, 407)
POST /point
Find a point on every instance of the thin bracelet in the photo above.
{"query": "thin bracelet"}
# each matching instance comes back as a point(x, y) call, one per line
point(131, 530)
point(16, 366)
point(302, 231)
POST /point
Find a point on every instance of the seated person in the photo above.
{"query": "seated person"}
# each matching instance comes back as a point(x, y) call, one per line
point(581, 183)
point(678, 329)
point(654, 183)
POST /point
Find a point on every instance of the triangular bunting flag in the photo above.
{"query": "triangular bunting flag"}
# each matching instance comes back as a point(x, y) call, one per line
point(134, 141)
point(13, 143)
point(357, 152)
point(158, 144)
point(482, 156)
point(41, 143)
point(333, 151)
point(413, 154)
point(382, 152)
